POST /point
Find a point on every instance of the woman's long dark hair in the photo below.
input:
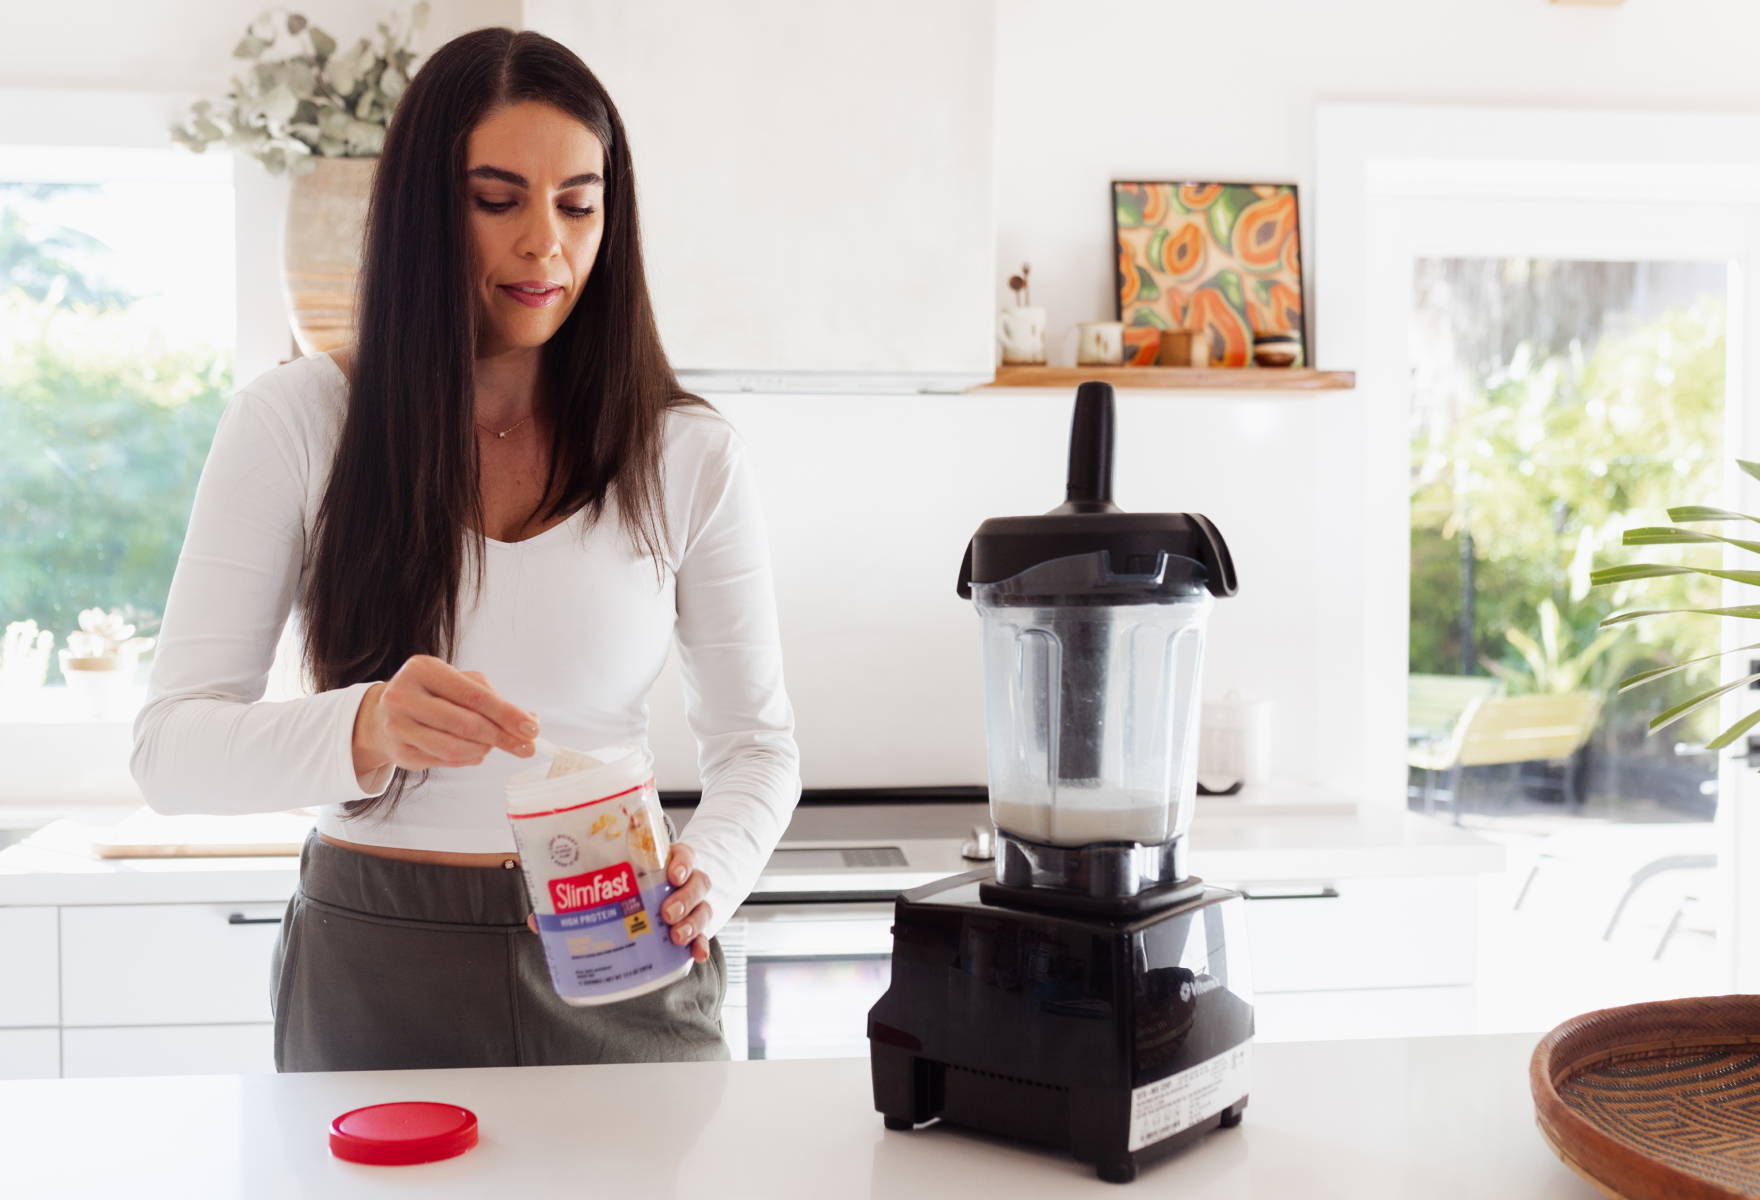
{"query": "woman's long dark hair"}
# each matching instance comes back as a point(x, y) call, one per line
point(403, 509)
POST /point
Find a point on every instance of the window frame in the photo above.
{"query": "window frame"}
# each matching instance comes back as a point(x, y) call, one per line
point(1388, 178)
point(58, 755)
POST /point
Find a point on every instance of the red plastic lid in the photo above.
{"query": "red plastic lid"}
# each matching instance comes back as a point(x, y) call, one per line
point(409, 1131)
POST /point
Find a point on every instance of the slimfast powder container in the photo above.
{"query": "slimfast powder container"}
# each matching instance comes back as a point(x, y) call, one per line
point(592, 847)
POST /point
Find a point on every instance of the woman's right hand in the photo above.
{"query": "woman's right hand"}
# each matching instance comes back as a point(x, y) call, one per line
point(430, 714)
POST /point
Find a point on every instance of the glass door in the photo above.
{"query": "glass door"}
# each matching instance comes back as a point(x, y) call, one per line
point(1556, 403)
point(1568, 374)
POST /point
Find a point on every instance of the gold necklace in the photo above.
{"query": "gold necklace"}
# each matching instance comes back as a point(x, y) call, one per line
point(504, 432)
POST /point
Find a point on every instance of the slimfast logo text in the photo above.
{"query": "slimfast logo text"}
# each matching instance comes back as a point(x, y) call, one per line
point(594, 888)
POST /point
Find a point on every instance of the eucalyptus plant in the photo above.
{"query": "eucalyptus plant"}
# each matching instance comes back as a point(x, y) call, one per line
point(1667, 535)
point(302, 98)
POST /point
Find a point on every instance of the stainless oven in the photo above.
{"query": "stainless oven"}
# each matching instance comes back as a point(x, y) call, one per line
point(810, 951)
point(802, 977)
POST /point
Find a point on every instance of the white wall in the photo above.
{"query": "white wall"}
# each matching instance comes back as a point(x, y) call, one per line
point(185, 46)
point(870, 502)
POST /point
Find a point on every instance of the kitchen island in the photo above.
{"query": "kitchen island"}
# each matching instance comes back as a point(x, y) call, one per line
point(1360, 1120)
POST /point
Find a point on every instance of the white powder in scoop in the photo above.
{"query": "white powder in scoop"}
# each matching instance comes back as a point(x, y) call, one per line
point(568, 762)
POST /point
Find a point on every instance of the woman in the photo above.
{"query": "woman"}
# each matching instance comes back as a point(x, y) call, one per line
point(496, 511)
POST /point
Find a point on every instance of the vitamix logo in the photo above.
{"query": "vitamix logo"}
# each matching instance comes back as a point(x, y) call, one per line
point(1197, 986)
point(593, 889)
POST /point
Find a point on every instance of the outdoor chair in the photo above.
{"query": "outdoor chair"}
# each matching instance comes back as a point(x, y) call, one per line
point(1438, 710)
point(1518, 729)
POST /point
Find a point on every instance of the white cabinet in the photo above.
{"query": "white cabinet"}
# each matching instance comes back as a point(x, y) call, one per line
point(29, 984)
point(168, 1050)
point(184, 987)
point(136, 989)
point(1363, 1013)
point(1362, 933)
point(1358, 958)
point(30, 1053)
point(167, 964)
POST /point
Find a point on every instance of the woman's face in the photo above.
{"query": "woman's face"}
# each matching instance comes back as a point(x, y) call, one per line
point(535, 191)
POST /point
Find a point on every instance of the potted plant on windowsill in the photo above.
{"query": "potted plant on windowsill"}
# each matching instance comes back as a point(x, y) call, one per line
point(1664, 535)
point(318, 115)
point(99, 660)
point(24, 658)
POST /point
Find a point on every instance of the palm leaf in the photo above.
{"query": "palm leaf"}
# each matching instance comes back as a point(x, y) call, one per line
point(1630, 571)
point(1686, 707)
point(1626, 572)
point(1653, 535)
point(1698, 512)
point(1751, 611)
point(1666, 535)
point(1734, 731)
point(1632, 681)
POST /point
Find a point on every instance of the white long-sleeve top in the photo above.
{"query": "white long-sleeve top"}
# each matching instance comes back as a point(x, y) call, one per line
point(571, 624)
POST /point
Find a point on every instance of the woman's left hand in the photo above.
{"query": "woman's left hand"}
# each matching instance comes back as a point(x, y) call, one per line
point(687, 910)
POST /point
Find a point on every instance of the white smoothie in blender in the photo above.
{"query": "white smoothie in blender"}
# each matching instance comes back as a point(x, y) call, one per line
point(1079, 817)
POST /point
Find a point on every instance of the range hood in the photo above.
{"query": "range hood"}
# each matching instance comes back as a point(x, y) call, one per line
point(825, 223)
point(830, 383)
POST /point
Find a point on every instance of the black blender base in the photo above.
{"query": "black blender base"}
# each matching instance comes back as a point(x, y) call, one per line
point(1119, 907)
point(1024, 1110)
point(1078, 1032)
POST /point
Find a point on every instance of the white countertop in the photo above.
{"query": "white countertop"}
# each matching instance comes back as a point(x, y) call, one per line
point(1231, 846)
point(1362, 1120)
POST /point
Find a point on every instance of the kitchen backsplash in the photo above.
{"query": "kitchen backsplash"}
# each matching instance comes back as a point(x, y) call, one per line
point(871, 500)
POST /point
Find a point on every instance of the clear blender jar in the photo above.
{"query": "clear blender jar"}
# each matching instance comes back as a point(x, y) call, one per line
point(1093, 638)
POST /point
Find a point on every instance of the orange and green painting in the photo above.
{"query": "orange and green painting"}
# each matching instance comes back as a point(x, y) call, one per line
point(1221, 259)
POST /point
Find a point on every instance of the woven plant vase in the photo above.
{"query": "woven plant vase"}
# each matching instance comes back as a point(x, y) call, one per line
point(321, 250)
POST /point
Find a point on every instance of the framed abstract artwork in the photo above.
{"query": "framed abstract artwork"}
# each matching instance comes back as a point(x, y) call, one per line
point(1222, 260)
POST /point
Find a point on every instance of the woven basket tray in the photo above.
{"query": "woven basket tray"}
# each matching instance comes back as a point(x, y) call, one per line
point(1656, 1100)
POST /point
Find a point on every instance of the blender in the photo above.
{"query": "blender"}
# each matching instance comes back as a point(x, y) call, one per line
point(1086, 992)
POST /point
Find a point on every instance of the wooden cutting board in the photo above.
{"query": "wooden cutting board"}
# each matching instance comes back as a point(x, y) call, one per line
point(147, 834)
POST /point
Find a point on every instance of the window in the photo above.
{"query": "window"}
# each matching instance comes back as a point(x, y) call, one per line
point(1555, 404)
point(116, 359)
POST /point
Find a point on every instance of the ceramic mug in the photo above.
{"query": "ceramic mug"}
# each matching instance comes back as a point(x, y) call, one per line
point(1099, 343)
point(1022, 333)
point(1234, 742)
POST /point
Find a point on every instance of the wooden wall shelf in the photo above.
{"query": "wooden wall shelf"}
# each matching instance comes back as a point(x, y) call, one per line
point(1251, 379)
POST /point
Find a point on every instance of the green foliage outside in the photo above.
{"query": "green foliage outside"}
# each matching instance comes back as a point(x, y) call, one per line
point(1552, 460)
point(105, 428)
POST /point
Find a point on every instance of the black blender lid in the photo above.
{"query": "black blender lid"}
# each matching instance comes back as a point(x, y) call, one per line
point(1089, 523)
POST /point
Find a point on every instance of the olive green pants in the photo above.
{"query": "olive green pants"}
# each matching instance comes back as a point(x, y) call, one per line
point(384, 964)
